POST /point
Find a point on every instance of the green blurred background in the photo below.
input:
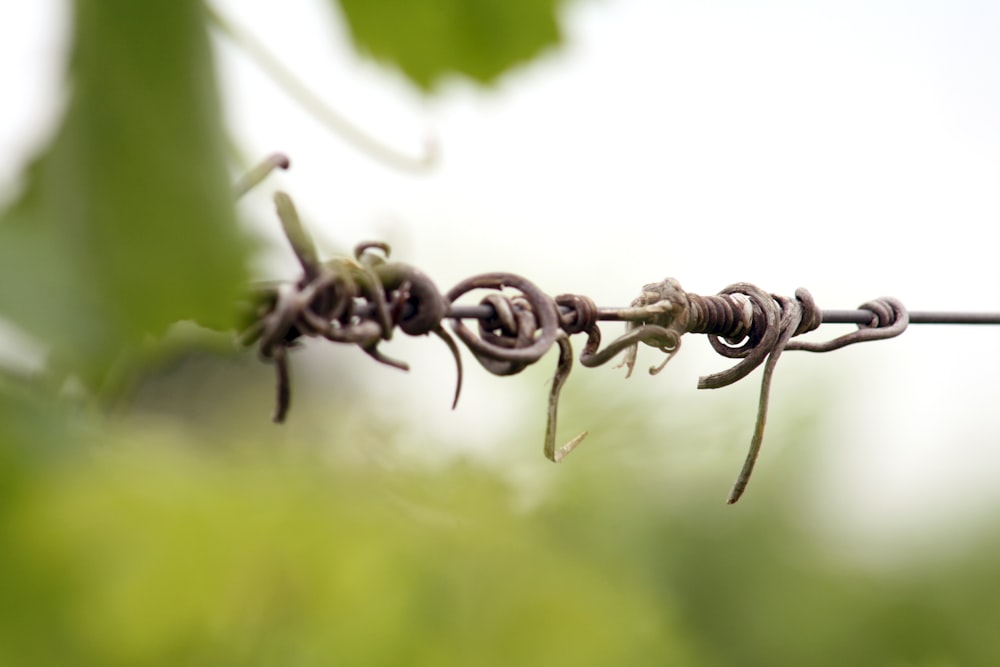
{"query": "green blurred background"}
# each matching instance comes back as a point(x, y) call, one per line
point(150, 514)
point(191, 531)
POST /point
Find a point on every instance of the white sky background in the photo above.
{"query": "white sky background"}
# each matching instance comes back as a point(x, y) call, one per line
point(852, 148)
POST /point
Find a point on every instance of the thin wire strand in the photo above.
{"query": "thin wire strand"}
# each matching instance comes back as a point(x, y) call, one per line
point(916, 317)
point(482, 312)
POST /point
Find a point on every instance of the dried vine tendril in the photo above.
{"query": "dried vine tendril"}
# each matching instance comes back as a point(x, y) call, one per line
point(323, 302)
point(362, 299)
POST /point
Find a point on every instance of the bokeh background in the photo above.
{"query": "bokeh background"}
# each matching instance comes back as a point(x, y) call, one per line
point(152, 514)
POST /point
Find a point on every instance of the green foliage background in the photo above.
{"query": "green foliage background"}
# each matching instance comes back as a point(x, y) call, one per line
point(140, 525)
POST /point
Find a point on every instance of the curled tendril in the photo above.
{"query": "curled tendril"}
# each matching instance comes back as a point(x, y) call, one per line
point(743, 322)
point(322, 302)
point(753, 326)
point(258, 173)
point(362, 299)
point(522, 329)
point(757, 344)
point(657, 317)
point(889, 319)
point(563, 366)
point(520, 335)
point(317, 107)
point(790, 317)
point(666, 340)
point(421, 307)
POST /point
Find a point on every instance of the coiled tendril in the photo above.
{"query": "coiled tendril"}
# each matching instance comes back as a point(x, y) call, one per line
point(361, 300)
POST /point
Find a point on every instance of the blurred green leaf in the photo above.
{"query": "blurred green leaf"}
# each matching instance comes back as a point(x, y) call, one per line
point(429, 39)
point(126, 223)
point(154, 556)
point(161, 546)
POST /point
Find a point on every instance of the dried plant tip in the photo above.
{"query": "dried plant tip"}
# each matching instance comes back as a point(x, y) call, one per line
point(563, 368)
point(284, 386)
point(302, 244)
point(453, 346)
point(255, 176)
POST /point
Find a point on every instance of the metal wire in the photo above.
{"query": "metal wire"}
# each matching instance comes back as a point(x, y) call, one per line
point(916, 317)
point(856, 316)
point(362, 300)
